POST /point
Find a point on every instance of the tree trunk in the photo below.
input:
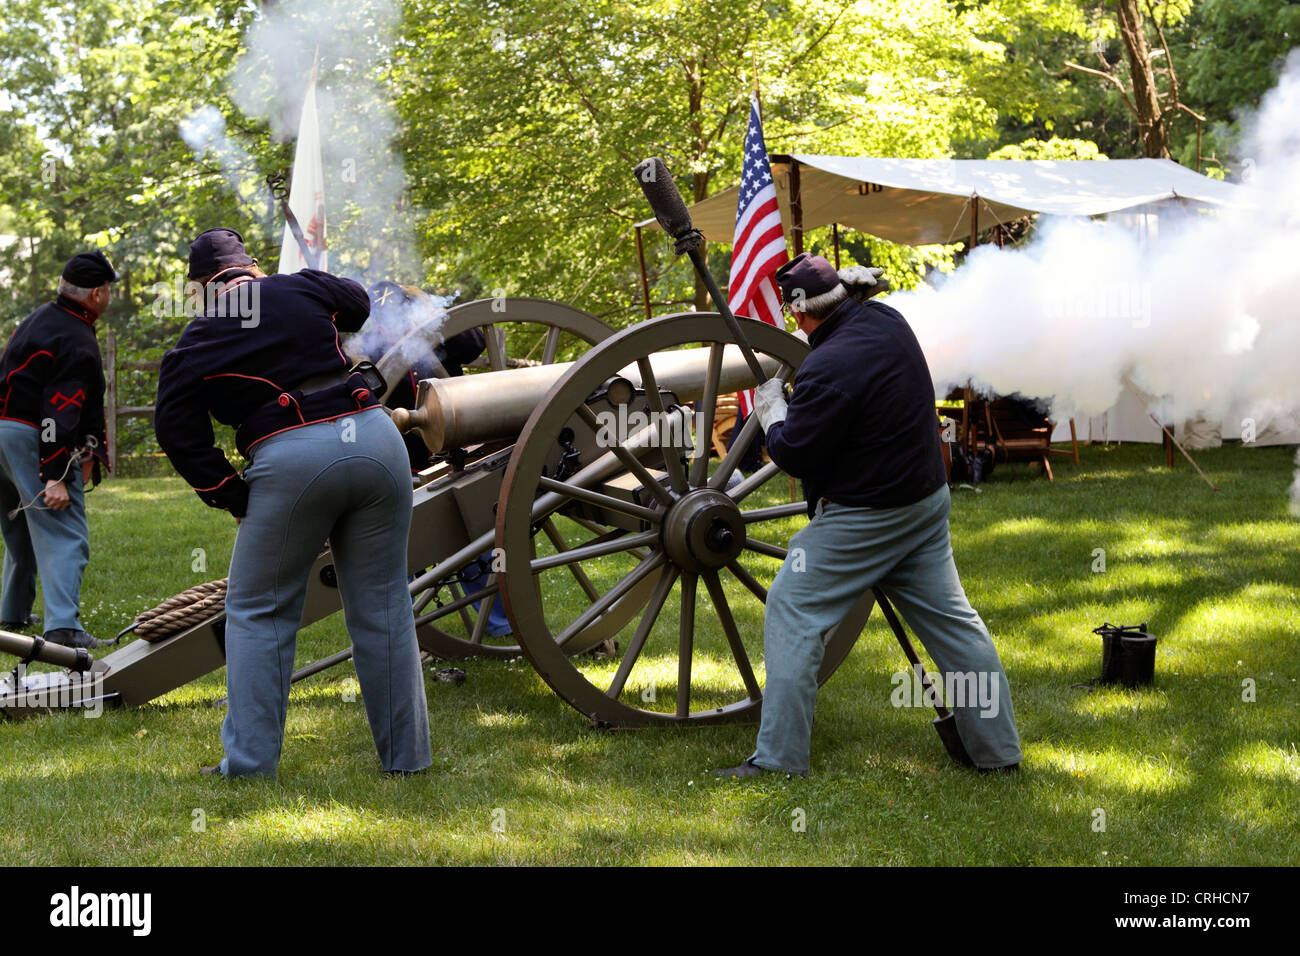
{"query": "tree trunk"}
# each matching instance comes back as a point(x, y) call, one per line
point(1146, 98)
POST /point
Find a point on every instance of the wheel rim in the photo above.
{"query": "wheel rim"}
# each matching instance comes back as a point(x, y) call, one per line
point(457, 628)
point(562, 327)
point(695, 529)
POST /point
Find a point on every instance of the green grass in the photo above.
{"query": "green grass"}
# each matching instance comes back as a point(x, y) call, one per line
point(1186, 772)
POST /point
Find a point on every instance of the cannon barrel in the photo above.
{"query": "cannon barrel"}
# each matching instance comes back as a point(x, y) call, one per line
point(453, 412)
point(21, 645)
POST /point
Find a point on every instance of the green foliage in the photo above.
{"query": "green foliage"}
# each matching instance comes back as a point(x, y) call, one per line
point(1054, 148)
point(519, 123)
point(527, 119)
point(1236, 48)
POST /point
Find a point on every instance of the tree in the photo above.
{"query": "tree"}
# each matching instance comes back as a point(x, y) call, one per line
point(524, 120)
point(1234, 50)
point(1151, 106)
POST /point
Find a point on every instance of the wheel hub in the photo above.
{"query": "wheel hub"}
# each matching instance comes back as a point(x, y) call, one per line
point(703, 531)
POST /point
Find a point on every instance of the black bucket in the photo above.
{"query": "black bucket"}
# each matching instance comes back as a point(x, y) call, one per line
point(1128, 655)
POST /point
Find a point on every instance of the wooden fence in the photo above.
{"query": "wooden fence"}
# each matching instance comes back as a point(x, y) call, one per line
point(112, 410)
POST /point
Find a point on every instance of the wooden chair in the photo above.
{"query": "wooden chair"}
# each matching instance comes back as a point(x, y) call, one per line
point(952, 409)
point(724, 421)
point(1015, 432)
point(1074, 445)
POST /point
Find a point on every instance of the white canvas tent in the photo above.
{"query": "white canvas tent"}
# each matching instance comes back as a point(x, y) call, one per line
point(922, 201)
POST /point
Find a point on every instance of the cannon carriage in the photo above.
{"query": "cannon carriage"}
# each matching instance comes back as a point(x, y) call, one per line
point(578, 492)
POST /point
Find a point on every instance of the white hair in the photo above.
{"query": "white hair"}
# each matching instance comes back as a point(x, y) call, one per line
point(75, 292)
point(820, 306)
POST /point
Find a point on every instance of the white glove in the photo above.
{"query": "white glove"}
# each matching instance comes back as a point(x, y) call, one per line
point(864, 281)
point(860, 275)
point(769, 402)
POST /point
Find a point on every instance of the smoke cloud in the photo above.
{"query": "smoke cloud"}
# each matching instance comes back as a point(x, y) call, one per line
point(204, 132)
point(371, 224)
point(1202, 320)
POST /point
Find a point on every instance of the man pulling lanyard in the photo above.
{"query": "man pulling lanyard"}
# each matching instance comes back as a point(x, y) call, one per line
point(51, 435)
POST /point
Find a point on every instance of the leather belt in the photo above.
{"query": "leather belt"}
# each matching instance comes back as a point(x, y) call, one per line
point(319, 383)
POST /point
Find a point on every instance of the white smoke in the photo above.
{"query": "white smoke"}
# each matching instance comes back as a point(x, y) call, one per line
point(1204, 319)
point(372, 234)
point(204, 132)
point(371, 225)
point(401, 332)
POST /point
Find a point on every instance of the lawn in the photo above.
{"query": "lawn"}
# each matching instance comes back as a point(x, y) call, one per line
point(1186, 772)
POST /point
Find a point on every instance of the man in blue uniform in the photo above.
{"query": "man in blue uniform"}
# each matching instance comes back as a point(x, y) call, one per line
point(51, 433)
point(326, 463)
point(860, 430)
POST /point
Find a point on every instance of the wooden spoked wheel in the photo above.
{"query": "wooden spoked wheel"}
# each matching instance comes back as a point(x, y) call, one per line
point(703, 540)
point(453, 614)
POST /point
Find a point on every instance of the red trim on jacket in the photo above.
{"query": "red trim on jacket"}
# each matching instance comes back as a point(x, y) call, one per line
point(71, 307)
point(255, 378)
point(9, 389)
point(338, 347)
point(219, 483)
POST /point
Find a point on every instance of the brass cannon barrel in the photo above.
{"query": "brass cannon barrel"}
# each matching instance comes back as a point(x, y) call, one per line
point(490, 405)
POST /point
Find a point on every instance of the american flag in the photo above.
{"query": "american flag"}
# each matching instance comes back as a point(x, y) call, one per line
point(758, 249)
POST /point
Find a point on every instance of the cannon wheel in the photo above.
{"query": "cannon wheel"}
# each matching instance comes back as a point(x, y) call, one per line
point(704, 657)
point(538, 331)
point(519, 331)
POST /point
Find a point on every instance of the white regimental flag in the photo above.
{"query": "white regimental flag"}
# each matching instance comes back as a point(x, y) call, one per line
point(307, 193)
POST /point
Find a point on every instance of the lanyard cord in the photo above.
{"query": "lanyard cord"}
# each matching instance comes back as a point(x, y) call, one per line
point(77, 455)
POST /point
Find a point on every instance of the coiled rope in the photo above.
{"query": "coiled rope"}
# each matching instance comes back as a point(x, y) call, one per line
point(178, 613)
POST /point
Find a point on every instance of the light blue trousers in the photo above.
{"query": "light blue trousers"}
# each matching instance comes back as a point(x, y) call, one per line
point(349, 481)
point(54, 544)
point(831, 562)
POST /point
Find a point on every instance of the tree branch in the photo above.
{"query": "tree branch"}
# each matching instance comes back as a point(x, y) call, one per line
point(1111, 77)
point(816, 41)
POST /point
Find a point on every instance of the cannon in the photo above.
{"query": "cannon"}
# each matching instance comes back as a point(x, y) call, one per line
point(590, 483)
point(582, 494)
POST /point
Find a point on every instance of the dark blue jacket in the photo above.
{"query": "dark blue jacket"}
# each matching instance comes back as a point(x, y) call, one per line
point(242, 363)
point(861, 428)
point(52, 373)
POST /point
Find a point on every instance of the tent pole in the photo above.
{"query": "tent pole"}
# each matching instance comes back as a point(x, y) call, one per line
point(645, 283)
point(974, 221)
point(796, 207)
point(835, 241)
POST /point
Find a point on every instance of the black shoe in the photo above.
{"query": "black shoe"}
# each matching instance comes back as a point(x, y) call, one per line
point(214, 770)
point(746, 769)
point(72, 637)
point(1009, 768)
point(33, 620)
